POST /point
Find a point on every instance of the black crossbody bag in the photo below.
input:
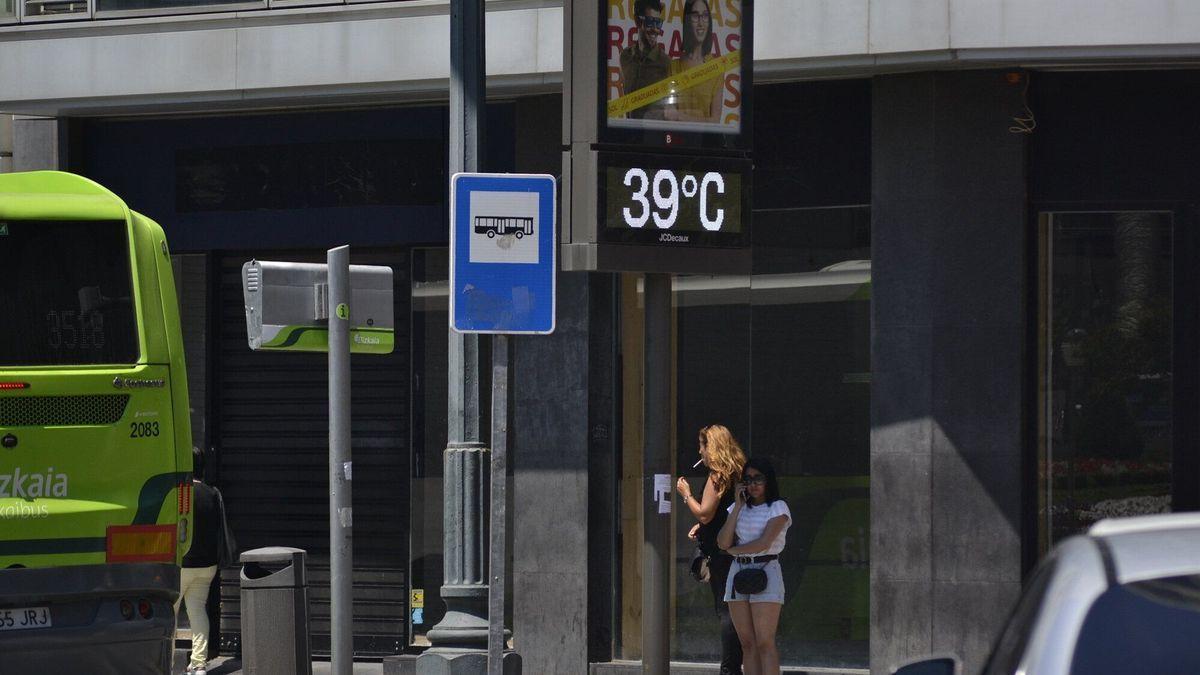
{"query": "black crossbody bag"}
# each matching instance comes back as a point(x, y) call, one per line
point(750, 581)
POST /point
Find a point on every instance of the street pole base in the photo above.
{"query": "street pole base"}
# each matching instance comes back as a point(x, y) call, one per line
point(448, 662)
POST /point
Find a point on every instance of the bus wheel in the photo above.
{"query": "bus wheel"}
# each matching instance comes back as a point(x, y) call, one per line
point(491, 234)
point(520, 234)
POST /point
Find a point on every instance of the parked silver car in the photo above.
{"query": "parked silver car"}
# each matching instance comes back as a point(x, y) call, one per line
point(1124, 599)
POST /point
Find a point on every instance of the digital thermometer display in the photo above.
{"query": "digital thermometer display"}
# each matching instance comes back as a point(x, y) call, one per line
point(687, 201)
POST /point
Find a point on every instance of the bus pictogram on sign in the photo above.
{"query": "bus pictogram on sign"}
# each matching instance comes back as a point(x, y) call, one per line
point(502, 225)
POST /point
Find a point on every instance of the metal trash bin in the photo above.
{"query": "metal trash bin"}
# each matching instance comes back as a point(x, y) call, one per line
point(274, 588)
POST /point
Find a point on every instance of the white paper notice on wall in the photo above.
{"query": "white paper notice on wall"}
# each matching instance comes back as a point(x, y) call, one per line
point(662, 492)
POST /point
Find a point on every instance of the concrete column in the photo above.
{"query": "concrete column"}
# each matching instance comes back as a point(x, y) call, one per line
point(949, 233)
point(549, 455)
point(38, 143)
point(553, 390)
point(6, 143)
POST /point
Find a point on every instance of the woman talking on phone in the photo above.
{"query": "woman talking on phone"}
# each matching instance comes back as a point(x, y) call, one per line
point(754, 535)
point(723, 457)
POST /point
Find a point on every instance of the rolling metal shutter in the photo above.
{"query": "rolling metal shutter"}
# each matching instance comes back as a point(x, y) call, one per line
point(272, 438)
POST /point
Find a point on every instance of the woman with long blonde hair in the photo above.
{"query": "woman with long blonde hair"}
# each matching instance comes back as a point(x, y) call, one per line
point(724, 458)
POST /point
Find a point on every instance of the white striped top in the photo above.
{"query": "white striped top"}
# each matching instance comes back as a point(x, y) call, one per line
point(752, 522)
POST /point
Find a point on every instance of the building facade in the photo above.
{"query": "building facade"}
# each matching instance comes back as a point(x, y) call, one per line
point(968, 331)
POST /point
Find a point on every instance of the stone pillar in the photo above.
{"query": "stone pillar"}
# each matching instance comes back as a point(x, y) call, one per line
point(6, 143)
point(38, 144)
point(551, 580)
point(949, 301)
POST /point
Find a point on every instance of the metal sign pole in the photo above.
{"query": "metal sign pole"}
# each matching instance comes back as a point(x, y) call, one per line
point(341, 536)
point(499, 510)
point(509, 290)
point(656, 544)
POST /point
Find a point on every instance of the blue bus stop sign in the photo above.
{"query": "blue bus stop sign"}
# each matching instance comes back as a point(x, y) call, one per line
point(503, 253)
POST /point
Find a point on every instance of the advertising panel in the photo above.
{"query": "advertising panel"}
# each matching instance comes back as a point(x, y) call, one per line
point(676, 72)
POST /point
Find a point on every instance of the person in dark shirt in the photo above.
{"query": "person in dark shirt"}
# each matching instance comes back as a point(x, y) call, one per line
point(201, 562)
point(645, 63)
point(724, 458)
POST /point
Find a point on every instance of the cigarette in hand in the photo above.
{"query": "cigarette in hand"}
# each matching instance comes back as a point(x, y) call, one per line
point(698, 463)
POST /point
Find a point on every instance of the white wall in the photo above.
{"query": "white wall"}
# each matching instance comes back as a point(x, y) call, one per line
point(399, 50)
point(254, 59)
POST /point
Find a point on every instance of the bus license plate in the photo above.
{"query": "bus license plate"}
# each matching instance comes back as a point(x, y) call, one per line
point(21, 618)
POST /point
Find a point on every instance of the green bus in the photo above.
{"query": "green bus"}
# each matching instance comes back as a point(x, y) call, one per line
point(95, 435)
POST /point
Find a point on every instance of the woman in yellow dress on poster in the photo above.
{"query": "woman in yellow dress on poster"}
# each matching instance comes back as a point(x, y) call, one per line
point(701, 102)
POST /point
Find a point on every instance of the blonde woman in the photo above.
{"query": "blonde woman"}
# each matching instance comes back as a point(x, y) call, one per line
point(724, 459)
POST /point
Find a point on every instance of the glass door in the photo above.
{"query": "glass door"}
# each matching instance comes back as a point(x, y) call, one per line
point(782, 358)
point(1105, 368)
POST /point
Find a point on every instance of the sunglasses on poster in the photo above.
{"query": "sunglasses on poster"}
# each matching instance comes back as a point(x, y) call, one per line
point(652, 22)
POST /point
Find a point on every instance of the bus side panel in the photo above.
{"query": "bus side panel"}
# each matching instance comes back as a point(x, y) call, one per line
point(147, 246)
point(172, 339)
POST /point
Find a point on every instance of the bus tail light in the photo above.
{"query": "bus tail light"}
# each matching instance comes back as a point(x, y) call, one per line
point(126, 609)
point(140, 543)
point(185, 497)
point(145, 608)
point(13, 385)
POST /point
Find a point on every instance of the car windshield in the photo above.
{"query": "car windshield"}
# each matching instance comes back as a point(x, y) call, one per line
point(1147, 627)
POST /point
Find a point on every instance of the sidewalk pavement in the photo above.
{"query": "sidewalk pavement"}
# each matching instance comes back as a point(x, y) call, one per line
point(228, 665)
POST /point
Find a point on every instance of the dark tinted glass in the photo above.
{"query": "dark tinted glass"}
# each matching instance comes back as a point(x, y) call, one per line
point(65, 294)
point(945, 666)
point(409, 172)
point(1107, 368)
point(1145, 628)
point(119, 5)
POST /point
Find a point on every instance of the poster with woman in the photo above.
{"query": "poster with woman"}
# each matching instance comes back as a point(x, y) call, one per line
point(675, 65)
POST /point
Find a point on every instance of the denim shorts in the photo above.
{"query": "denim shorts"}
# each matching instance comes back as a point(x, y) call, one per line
point(772, 593)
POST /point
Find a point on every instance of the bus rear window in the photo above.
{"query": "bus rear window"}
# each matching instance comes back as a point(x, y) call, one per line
point(65, 294)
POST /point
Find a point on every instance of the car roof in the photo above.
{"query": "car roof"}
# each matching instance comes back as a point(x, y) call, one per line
point(1077, 578)
point(1150, 547)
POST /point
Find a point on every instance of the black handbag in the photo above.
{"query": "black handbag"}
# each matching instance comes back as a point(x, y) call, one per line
point(699, 567)
point(750, 580)
point(227, 549)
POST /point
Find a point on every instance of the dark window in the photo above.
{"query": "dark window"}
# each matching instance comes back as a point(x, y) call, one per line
point(1107, 368)
point(124, 5)
point(66, 294)
point(311, 175)
point(1148, 627)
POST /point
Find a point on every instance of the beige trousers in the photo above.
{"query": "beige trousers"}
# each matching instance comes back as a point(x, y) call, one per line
point(193, 590)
